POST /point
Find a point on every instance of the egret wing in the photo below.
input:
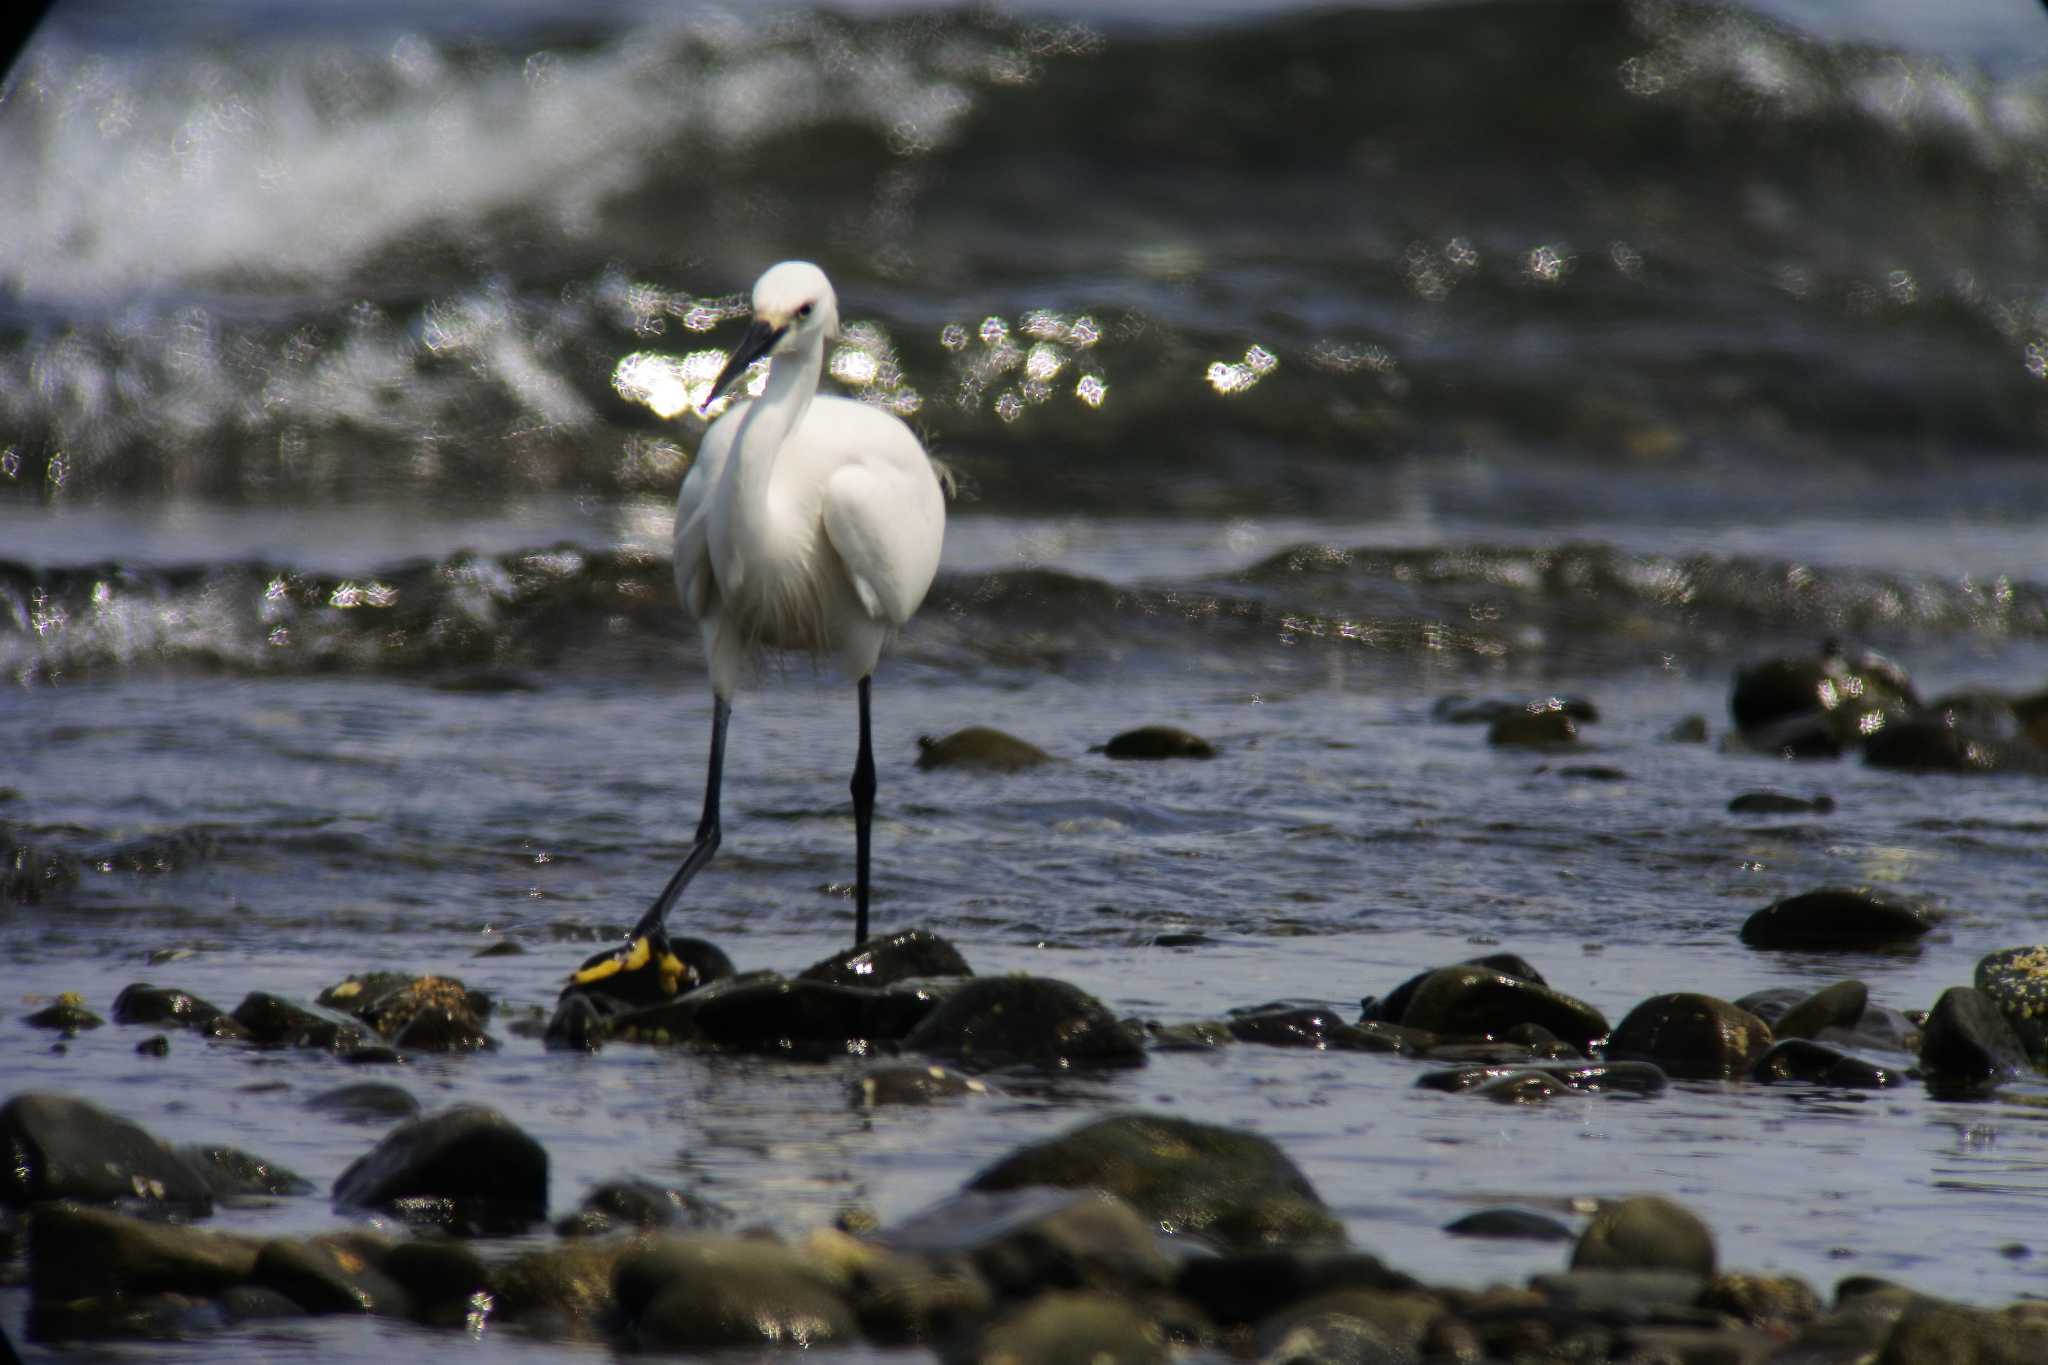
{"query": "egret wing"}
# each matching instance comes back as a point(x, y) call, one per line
point(694, 581)
point(886, 531)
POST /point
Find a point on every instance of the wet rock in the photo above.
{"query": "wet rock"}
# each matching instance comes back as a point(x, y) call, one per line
point(716, 1293)
point(561, 1290)
point(1076, 1327)
point(357, 991)
point(156, 1045)
point(1967, 1044)
point(801, 1019)
point(58, 1147)
point(330, 1275)
point(469, 1169)
point(640, 1204)
point(1618, 1077)
point(1394, 1004)
point(76, 1253)
point(1520, 1225)
point(1779, 1302)
point(1542, 727)
point(276, 1021)
point(1369, 1327)
point(1687, 730)
point(1695, 1037)
point(424, 1014)
point(2016, 979)
point(1930, 1332)
point(1457, 710)
point(1196, 1035)
point(979, 748)
point(904, 1300)
point(166, 1006)
point(1031, 1239)
point(66, 1012)
point(366, 1102)
point(1646, 1232)
point(1934, 746)
point(1817, 706)
point(1477, 1002)
point(1832, 1007)
point(1158, 741)
point(1308, 1026)
point(1593, 772)
point(1524, 1087)
point(1232, 1187)
point(1777, 803)
point(504, 947)
point(886, 961)
point(1800, 1059)
point(909, 1084)
point(1835, 918)
point(233, 1174)
point(994, 1021)
point(442, 1279)
point(1239, 1287)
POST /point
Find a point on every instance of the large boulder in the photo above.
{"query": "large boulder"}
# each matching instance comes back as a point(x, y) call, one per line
point(468, 1169)
point(58, 1147)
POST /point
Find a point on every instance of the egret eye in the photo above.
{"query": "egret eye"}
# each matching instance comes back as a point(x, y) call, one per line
point(804, 311)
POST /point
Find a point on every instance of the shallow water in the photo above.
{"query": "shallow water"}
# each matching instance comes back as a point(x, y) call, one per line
point(339, 634)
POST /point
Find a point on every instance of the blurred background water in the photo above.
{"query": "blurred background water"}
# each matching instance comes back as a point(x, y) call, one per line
point(1300, 366)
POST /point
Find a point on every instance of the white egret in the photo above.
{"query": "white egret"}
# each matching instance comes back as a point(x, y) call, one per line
point(806, 522)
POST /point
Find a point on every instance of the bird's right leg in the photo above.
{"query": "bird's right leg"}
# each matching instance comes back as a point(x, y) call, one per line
point(707, 829)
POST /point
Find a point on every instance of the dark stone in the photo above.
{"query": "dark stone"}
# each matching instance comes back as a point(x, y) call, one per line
point(2016, 979)
point(1778, 1302)
point(1800, 1059)
point(1232, 1187)
point(1076, 1327)
point(156, 1045)
point(1196, 1035)
point(468, 1168)
point(1477, 1002)
point(1248, 1286)
point(442, 1278)
point(886, 961)
point(1308, 1026)
point(1646, 1232)
point(1930, 1332)
point(357, 991)
point(913, 1300)
point(562, 1288)
point(1355, 1326)
point(777, 1017)
point(1542, 728)
point(1593, 772)
point(1523, 1087)
point(277, 1022)
point(236, 1175)
point(436, 1028)
point(1967, 1044)
point(1158, 741)
point(57, 1147)
point(1835, 918)
point(1817, 706)
point(504, 947)
point(1695, 1037)
point(714, 1293)
point(1687, 730)
point(1520, 1225)
point(67, 1012)
point(994, 1021)
point(1456, 710)
point(1933, 746)
point(1617, 1077)
point(329, 1275)
point(76, 1253)
point(639, 1204)
point(1832, 1007)
point(439, 1012)
point(1031, 1239)
point(911, 1084)
point(1777, 803)
point(366, 1102)
point(168, 1007)
point(979, 749)
point(1394, 1003)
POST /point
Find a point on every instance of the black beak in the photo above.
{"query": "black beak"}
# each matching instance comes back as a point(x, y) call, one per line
point(755, 344)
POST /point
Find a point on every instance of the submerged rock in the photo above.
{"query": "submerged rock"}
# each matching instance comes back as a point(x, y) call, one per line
point(1696, 1037)
point(1646, 1232)
point(366, 1102)
point(468, 1169)
point(58, 1147)
point(994, 1021)
point(1459, 710)
point(979, 749)
point(1617, 1077)
point(910, 1084)
point(1538, 725)
point(885, 961)
point(1234, 1188)
point(1308, 1026)
point(1158, 741)
point(1835, 918)
point(233, 1174)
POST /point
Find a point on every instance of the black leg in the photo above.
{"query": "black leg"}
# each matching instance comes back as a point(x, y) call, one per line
point(707, 828)
point(863, 819)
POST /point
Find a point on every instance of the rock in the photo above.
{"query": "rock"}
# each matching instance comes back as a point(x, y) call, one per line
point(993, 1021)
point(1836, 1006)
point(366, 1102)
point(233, 1174)
point(504, 947)
point(165, 1006)
point(803, 1019)
point(1523, 1087)
point(357, 991)
point(1158, 741)
point(1369, 1327)
point(1620, 1077)
point(391, 1012)
point(66, 1012)
point(1835, 918)
point(908, 1084)
point(1309, 1026)
point(1194, 1035)
point(1394, 1003)
point(639, 1204)
point(1239, 1287)
point(1232, 1187)
point(76, 1253)
point(278, 1022)
point(1472, 1001)
point(1457, 710)
point(156, 1045)
point(1800, 1059)
point(468, 1168)
point(1520, 1225)
point(1691, 729)
point(979, 749)
point(1777, 803)
point(1930, 1332)
point(1056, 1328)
point(1778, 1302)
point(562, 1289)
point(58, 1147)
point(1817, 706)
point(1968, 1045)
point(1593, 772)
point(1691, 1036)
point(1933, 746)
point(1542, 727)
point(886, 961)
point(715, 1293)
point(443, 1279)
point(330, 1275)
point(1031, 1239)
point(904, 1300)
point(2016, 979)
point(1646, 1232)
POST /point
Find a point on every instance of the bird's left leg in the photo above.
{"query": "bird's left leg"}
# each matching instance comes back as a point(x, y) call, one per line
point(863, 818)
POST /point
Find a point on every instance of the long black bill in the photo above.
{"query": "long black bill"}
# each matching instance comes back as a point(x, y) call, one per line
point(760, 336)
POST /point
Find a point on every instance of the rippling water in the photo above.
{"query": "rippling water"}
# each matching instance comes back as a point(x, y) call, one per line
point(1301, 368)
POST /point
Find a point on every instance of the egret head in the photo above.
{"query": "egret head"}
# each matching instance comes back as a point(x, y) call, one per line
point(794, 309)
